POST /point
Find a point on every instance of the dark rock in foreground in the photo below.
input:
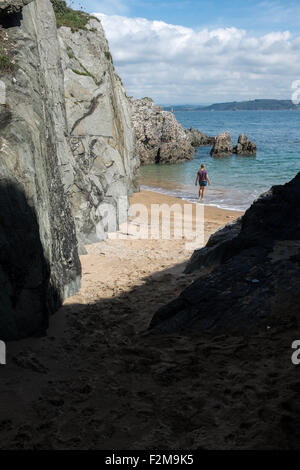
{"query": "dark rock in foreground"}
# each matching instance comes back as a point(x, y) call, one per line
point(256, 283)
point(245, 146)
point(222, 146)
point(198, 138)
point(216, 248)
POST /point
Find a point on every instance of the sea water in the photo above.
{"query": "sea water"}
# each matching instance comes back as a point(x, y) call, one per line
point(236, 180)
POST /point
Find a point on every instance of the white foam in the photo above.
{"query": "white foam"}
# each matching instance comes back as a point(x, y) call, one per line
point(224, 203)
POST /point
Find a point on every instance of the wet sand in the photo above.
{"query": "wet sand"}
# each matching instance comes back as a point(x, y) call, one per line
point(97, 382)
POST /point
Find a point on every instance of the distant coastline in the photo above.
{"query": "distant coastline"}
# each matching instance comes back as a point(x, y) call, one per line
point(251, 105)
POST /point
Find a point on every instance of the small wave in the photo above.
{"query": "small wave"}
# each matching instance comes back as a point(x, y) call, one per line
point(229, 203)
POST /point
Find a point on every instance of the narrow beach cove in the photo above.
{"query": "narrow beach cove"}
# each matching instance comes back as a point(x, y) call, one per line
point(95, 382)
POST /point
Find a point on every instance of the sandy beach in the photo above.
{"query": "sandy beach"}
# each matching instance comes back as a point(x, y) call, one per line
point(96, 382)
point(113, 267)
point(110, 339)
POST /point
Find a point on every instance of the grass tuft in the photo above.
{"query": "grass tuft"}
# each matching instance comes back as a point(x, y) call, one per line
point(108, 56)
point(86, 73)
point(6, 64)
point(66, 16)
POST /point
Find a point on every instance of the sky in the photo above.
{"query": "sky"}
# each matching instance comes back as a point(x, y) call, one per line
point(200, 51)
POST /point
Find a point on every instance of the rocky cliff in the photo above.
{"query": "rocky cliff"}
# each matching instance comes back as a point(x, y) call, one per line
point(39, 260)
point(67, 157)
point(255, 272)
point(160, 138)
point(100, 132)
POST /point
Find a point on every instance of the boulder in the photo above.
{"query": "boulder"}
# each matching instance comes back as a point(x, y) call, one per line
point(159, 137)
point(222, 146)
point(198, 138)
point(245, 146)
point(254, 285)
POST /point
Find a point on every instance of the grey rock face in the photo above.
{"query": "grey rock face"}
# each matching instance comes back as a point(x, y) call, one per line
point(39, 265)
point(67, 153)
point(160, 138)
point(67, 149)
point(198, 138)
point(222, 146)
point(100, 131)
point(245, 146)
point(255, 284)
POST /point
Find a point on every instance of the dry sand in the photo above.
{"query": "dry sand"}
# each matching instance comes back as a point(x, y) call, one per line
point(114, 267)
point(95, 383)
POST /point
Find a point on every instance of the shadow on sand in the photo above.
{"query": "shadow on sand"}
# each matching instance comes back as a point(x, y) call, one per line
point(95, 383)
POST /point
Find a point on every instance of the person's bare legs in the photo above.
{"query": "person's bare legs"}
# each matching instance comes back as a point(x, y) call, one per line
point(202, 192)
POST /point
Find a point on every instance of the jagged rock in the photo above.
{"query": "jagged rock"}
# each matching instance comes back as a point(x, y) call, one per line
point(256, 283)
point(245, 146)
point(222, 146)
point(101, 135)
point(198, 138)
point(215, 250)
point(160, 138)
point(39, 264)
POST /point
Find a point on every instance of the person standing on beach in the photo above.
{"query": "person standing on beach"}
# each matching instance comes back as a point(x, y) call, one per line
point(202, 177)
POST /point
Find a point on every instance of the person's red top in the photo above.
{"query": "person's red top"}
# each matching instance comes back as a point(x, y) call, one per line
point(202, 175)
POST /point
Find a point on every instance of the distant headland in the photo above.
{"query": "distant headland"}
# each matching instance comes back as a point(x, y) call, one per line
point(252, 105)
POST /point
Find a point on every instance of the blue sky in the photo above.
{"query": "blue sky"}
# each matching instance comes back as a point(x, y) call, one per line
point(192, 52)
point(255, 16)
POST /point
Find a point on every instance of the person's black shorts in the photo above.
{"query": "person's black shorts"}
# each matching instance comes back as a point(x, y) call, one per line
point(202, 183)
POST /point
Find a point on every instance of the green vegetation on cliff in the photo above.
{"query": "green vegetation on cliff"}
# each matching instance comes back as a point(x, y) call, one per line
point(74, 19)
point(7, 63)
point(66, 16)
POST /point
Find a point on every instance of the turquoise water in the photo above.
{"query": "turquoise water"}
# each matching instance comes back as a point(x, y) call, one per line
point(236, 180)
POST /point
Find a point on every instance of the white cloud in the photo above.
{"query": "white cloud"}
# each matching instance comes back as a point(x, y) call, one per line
point(175, 64)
